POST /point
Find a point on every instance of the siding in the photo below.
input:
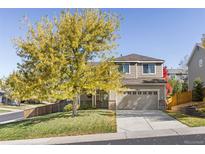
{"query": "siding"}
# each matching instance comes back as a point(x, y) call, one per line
point(158, 71)
point(132, 73)
point(194, 71)
point(136, 71)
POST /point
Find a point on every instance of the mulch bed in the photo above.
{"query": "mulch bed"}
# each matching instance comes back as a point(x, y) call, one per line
point(194, 110)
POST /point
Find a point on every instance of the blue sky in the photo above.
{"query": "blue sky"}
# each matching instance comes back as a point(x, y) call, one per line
point(169, 34)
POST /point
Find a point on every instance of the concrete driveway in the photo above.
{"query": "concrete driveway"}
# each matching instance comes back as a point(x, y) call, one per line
point(143, 120)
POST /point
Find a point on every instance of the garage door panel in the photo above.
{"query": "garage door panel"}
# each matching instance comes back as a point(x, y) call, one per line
point(147, 100)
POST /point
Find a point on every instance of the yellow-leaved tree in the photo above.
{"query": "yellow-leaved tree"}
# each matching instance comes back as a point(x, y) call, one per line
point(57, 57)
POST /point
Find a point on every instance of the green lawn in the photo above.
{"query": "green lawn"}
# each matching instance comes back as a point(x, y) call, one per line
point(61, 124)
point(190, 121)
point(3, 111)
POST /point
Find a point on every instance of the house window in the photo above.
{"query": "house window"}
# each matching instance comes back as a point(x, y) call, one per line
point(150, 93)
point(134, 92)
point(148, 68)
point(124, 68)
point(200, 62)
point(155, 93)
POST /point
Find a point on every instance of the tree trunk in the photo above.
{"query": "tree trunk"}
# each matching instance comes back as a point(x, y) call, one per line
point(75, 108)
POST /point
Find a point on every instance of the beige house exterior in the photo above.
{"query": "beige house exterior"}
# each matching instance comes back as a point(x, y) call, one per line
point(145, 88)
point(196, 65)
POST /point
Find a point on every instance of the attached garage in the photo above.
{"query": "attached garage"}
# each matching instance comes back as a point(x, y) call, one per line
point(138, 100)
point(140, 97)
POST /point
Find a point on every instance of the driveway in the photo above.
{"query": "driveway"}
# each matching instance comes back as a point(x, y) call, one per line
point(143, 120)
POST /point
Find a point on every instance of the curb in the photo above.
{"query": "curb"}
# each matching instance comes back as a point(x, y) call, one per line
point(107, 137)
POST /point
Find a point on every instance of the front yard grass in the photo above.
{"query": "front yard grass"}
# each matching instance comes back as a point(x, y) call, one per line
point(3, 111)
point(188, 120)
point(61, 124)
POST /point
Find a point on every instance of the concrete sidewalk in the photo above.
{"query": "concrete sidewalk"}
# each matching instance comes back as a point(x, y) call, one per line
point(108, 136)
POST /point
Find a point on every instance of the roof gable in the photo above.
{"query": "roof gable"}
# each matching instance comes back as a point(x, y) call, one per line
point(196, 48)
point(137, 57)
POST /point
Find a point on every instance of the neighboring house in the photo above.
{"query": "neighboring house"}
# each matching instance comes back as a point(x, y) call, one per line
point(6, 100)
point(196, 65)
point(1, 96)
point(145, 86)
point(178, 74)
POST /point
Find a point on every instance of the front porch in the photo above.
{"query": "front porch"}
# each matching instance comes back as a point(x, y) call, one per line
point(99, 100)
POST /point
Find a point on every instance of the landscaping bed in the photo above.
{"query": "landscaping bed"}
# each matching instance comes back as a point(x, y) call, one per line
point(190, 120)
point(193, 114)
point(61, 124)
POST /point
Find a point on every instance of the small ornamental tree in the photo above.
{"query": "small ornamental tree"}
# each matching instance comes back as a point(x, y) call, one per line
point(197, 90)
point(184, 86)
point(57, 54)
point(176, 86)
point(166, 78)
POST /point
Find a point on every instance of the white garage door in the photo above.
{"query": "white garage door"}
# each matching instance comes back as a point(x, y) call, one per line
point(137, 100)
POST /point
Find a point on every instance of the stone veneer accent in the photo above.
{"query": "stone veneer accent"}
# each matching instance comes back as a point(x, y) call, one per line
point(112, 105)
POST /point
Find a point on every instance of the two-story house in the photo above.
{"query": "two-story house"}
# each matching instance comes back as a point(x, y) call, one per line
point(145, 86)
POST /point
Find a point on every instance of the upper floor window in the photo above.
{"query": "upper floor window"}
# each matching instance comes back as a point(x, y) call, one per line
point(200, 62)
point(148, 68)
point(124, 68)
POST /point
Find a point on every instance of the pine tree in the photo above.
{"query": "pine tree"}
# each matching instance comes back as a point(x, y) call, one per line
point(198, 90)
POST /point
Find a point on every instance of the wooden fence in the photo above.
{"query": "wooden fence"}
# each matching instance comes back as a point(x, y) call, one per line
point(179, 98)
point(47, 109)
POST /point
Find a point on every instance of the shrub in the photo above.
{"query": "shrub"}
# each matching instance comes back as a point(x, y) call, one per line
point(184, 87)
point(68, 108)
point(32, 101)
point(177, 88)
point(198, 90)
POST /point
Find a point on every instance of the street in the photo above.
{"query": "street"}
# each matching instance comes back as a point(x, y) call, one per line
point(198, 139)
point(11, 116)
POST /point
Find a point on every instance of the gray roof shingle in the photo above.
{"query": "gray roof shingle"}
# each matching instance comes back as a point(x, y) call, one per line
point(136, 57)
point(177, 71)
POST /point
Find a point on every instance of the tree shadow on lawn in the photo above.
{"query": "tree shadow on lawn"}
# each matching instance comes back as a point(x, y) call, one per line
point(102, 112)
point(53, 116)
point(36, 120)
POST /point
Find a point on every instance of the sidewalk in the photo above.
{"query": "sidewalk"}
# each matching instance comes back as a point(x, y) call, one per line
point(108, 136)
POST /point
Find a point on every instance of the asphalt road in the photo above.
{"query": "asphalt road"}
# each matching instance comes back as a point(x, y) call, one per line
point(168, 140)
point(11, 116)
